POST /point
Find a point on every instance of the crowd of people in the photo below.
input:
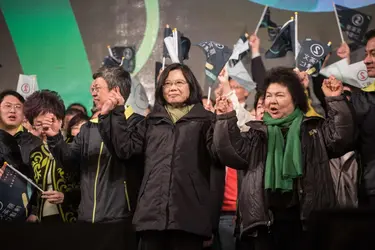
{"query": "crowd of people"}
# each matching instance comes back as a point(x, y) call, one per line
point(198, 173)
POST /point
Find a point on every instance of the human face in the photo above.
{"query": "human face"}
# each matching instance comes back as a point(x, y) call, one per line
point(175, 88)
point(11, 112)
point(240, 91)
point(370, 57)
point(76, 128)
point(278, 102)
point(259, 112)
point(37, 125)
point(100, 92)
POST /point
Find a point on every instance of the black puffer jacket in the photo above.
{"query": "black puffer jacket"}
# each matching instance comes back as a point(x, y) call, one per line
point(320, 139)
point(177, 192)
point(108, 192)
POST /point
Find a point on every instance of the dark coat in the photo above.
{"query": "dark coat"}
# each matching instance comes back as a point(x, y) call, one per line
point(320, 140)
point(106, 194)
point(176, 190)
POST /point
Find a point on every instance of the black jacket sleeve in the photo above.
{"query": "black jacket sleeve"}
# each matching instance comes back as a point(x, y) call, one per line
point(123, 137)
point(232, 148)
point(258, 72)
point(67, 154)
point(338, 128)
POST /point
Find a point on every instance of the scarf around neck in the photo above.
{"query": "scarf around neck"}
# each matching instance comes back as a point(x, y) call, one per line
point(284, 159)
point(177, 113)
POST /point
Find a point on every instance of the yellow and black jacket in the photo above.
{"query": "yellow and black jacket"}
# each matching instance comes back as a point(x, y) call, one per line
point(109, 185)
point(67, 182)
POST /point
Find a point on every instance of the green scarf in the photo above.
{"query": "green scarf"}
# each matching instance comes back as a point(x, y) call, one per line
point(177, 113)
point(284, 160)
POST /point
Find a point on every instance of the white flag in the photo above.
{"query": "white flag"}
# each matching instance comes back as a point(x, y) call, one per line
point(353, 74)
point(138, 98)
point(27, 84)
point(170, 44)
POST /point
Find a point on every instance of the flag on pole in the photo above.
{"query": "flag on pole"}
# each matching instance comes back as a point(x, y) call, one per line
point(138, 99)
point(355, 23)
point(283, 42)
point(217, 55)
point(272, 28)
point(15, 192)
point(121, 56)
point(353, 74)
point(312, 55)
point(176, 46)
point(27, 85)
point(236, 68)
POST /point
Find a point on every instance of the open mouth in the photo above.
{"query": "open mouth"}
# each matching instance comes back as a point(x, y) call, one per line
point(273, 110)
point(12, 118)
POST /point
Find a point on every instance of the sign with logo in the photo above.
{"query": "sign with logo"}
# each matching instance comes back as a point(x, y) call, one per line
point(312, 54)
point(27, 84)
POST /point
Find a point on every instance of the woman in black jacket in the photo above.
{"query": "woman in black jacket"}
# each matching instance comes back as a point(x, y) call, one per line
point(175, 206)
point(285, 158)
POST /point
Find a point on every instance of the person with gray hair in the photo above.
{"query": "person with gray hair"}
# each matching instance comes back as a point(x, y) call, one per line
point(109, 186)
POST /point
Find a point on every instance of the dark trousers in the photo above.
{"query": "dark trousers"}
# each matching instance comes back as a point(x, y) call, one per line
point(170, 240)
point(226, 232)
point(285, 233)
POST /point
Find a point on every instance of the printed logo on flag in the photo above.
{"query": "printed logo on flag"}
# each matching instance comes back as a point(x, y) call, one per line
point(25, 88)
point(317, 50)
point(362, 75)
point(357, 20)
point(311, 55)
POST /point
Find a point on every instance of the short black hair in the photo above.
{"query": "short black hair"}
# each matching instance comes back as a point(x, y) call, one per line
point(288, 78)
point(7, 92)
point(258, 95)
point(79, 117)
point(42, 102)
point(115, 77)
point(369, 35)
point(194, 87)
point(72, 111)
point(79, 105)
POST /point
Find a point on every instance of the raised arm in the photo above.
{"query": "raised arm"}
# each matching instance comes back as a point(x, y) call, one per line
point(124, 137)
point(231, 147)
point(338, 128)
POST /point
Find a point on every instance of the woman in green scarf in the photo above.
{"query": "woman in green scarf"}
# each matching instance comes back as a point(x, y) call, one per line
point(284, 158)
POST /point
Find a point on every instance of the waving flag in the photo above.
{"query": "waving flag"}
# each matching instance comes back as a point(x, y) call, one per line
point(121, 56)
point(355, 23)
point(217, 55)
point(176, 46)
point(283, 42)
point(353, 74)
point(272, 28)
point(15, 192)
point(236, 68)
point(312, 55)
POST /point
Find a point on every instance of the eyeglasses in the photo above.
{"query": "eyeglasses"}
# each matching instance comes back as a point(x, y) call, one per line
point(178, 83)
point(96, 89)
point(8, 107)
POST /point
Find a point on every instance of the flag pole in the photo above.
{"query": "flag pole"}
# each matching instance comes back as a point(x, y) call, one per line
point(338, 22)
point(209, 95)
point(295, 35)
point(110, 50)
point(163, 66)
point(261, 19)
point(23, 176)
point(122, 61)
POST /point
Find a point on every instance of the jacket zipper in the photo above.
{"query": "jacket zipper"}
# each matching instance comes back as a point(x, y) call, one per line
point(127, 196)
point(96, 182)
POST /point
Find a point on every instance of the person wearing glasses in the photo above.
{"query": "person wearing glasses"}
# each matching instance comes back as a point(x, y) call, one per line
point(176, 205)
point(11, 119)
point(59, 202)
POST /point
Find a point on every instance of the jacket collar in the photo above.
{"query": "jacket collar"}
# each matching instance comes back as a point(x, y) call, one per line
point(261, 126)
point(198, 112)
